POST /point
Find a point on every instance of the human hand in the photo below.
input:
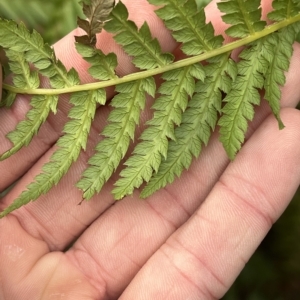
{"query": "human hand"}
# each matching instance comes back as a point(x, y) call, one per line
point(188, 241)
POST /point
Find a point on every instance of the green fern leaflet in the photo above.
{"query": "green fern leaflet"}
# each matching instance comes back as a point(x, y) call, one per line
point(205, 89)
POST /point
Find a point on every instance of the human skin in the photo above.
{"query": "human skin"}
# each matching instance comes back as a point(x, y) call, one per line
point(189, 240)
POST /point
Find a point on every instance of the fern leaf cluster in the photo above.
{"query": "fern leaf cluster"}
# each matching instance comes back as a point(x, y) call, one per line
point(261, 65)
point(198, 121)
point(137, 43)
point(193, 98)
point(147, 155)
point(244, 16)
point(188, 26)
point(112, 149)
point(26, 48)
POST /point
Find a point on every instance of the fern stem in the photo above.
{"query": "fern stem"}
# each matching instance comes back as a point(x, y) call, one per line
point(176, 65)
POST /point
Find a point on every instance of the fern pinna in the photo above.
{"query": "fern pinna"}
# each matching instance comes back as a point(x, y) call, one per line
point(205, 89)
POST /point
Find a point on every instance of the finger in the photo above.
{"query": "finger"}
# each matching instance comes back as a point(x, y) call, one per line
point(59, 222)
point(18, 164)
point(202, 259)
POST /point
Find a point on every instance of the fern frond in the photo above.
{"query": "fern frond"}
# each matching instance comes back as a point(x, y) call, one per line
point(24, 77)
point(139, 44)
point(198, 121)
point(280, 45)
point(189, 101)
point(175, 91)
point(243, 15)
point(262, 65)
point(97, 12)
point(36, 116)
point(101, 164)
point(41, 105)
point(23, 48)
point(240, 100)
point(283, 9)
point(117, 134)
point(17, 38)
point(189, 28)
point(188, 25)
point(102, 66)
point(75, 138)
point(8, 98)
point(128, 103)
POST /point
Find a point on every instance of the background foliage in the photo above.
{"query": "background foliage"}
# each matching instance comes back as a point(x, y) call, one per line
point(53, 19)
point(274, 270)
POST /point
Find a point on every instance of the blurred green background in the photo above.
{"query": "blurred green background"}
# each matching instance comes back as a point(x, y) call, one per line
point(273, 273)
point(52, 18)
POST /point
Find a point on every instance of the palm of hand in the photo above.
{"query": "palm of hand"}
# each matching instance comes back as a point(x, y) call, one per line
point(188, 241)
